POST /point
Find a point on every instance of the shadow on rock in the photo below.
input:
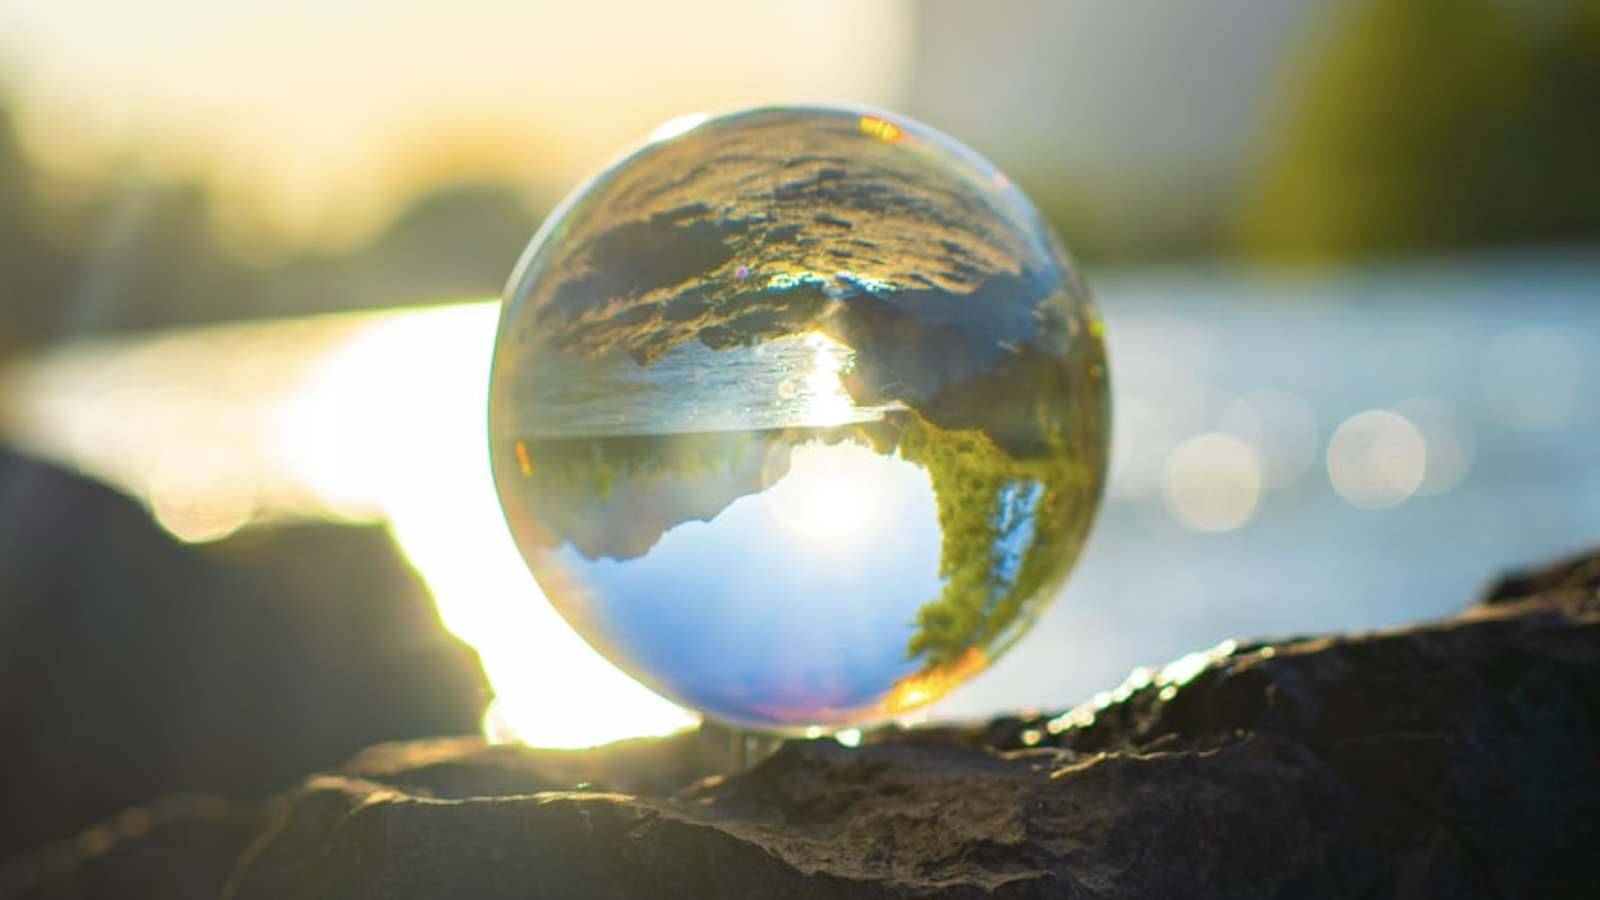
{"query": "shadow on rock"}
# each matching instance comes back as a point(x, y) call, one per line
point(1458, 758)
point(132, 666)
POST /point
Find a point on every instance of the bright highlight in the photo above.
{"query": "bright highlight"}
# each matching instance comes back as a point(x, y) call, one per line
point(1213, 482)
point(1376, 459)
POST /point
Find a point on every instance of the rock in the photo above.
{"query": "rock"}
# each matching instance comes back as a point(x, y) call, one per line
point(1458, 758)
point(179, 847)
point(132, 666)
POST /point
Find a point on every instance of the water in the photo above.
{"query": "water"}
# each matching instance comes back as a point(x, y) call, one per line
point(789, 380)
point(1494, 361)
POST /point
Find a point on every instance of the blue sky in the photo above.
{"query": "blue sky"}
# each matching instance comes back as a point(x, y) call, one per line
point(755, 600)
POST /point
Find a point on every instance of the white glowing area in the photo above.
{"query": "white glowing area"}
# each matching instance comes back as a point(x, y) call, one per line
point(838, 493)
point(835, 493)
point(399, 411)
point(826, 400)
point(1377, 459)
point(1213, 482)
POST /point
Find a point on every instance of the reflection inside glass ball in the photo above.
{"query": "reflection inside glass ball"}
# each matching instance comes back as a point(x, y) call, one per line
point(799, 415)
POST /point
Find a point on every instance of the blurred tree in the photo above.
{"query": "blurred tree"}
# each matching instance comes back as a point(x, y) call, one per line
point(16, 200)
point(152, 255)
point(1436, 124)
point(28, 261)
point(124, 252)
point(456, 241)
point(121, 254)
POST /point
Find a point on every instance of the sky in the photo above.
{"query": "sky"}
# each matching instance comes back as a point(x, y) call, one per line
point(318, 118)
point(313, 114)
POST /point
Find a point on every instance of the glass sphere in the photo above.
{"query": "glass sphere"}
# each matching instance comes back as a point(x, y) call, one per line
point(799, 415)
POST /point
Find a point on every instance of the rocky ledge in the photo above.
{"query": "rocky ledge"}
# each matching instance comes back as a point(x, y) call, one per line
point(1458, 758)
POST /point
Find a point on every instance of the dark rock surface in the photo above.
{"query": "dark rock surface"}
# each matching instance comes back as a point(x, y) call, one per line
point(133, 666)
point(179, 846)
point(1458, 758)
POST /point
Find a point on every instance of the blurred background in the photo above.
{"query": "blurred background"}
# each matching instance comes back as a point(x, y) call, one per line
point(1348, 254)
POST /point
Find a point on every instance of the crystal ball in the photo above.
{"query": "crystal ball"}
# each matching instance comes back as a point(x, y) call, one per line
point(799, 415)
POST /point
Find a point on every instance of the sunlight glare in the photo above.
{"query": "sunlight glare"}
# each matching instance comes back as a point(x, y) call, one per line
point(397, 416)
point(677, 125)
point(831, 493)
point(826, 401)
point(202, 491)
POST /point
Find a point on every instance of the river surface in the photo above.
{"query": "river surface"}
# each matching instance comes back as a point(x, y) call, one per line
point(1494, 366)
point(1294, 453)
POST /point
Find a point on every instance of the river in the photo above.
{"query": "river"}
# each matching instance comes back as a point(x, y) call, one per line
point(1416, 428)
point(1294, 452)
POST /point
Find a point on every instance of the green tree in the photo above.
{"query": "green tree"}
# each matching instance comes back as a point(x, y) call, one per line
point(1435, 124)
point(1010, 527)
point(29, 263)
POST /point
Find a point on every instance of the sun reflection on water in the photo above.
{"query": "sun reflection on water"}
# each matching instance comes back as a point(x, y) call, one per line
point(826, 400)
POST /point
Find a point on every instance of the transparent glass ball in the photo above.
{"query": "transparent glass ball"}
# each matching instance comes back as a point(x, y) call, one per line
point(799, 415)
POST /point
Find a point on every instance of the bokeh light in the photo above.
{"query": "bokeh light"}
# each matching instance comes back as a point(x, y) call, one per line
point(1376, 459)
point(1213, 482)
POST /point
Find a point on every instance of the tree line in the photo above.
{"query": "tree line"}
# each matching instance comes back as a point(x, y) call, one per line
point(126, 252)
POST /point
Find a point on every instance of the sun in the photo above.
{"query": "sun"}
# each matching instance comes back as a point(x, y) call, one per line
point(832, 493)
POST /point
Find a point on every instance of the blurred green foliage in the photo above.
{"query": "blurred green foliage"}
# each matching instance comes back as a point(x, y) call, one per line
point(27, 258)
point(1424, 125)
